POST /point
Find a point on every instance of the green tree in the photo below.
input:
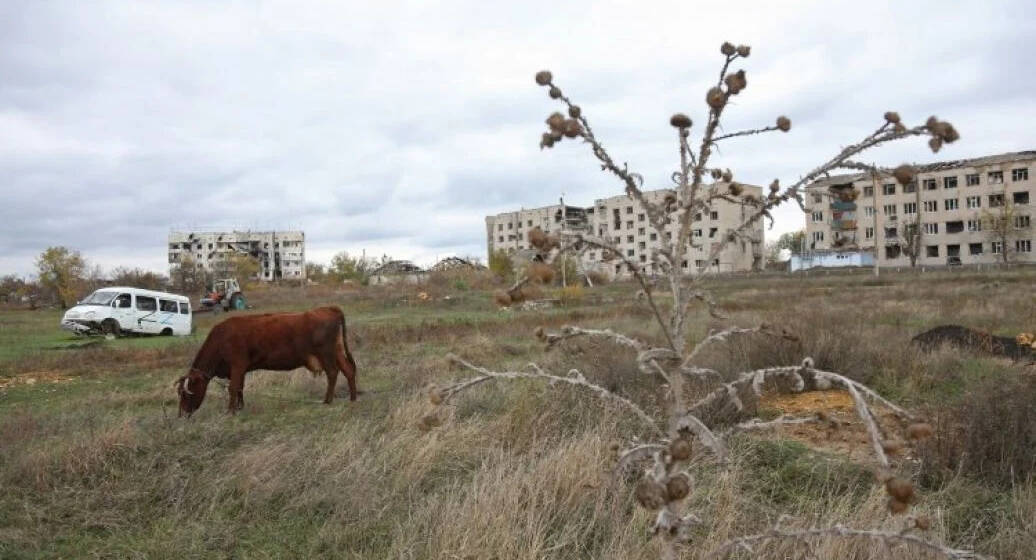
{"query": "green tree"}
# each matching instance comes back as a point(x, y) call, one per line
point(62, 273)
point(344, 267)
point(501, 265)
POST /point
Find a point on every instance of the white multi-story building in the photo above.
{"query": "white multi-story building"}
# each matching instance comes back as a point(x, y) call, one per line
point(280, 254)
point(949, 213)
point(623, 221)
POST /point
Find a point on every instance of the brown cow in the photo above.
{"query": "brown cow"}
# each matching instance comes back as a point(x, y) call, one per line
point(314, 339)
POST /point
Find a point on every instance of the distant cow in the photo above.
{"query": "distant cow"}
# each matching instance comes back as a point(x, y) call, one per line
point(276, 341)
point(971, 340)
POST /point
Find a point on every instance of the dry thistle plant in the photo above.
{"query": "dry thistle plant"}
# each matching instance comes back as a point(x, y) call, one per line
point(693, 433)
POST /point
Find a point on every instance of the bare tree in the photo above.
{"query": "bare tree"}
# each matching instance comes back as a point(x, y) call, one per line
point(1003, 224)
point(690, 433)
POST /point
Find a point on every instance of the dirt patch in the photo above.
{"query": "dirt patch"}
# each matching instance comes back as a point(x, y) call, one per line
point(840, 431)
point(34, 377)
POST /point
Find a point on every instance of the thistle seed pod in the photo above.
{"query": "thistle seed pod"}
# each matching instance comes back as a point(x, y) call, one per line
point(736, 189)
point(919, 431)
point(904, 174)
point(554, 92)
point(935, 144)
point(931, 122)
point(775, 186)
point(431, 421)
point(572, 128)
point(923, 523)
point(736, 82)
point(744, 50)
point(680, 120)
point(574, 111)
point(556, 121)
point(897, 507)
point(900, 489)
point(543, 77)
point(650, 494)
point(681, 449)
point(546, 141)
point(435, 396)
point(783, 123)
point(677, 487)
point(716, 174)
point(900, 128)
point(502, 298)
point(727, 176)
point(716, 98)
point(727, 49)
point(892, 117)
point(892, 447)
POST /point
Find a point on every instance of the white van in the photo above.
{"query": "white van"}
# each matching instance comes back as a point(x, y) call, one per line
point(120, 310)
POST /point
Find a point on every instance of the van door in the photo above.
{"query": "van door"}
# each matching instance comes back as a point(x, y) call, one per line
point(147, 316)
point(168, 315)
point(122, 311)
point(185, 319)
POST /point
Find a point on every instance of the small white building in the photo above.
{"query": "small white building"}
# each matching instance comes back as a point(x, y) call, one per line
point(831, 259)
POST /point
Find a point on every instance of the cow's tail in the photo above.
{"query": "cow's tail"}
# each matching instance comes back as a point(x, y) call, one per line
point(345, 345)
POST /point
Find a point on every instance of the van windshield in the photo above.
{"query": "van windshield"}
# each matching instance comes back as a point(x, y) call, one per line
point(99, 298)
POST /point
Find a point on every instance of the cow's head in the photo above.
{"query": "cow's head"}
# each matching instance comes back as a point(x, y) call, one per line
point(191, 389)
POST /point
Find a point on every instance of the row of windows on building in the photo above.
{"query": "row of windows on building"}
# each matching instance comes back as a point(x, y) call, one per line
point(949, 182)
point(932, 228)
point(971, 203)
point(698, 263)
point(617, 221)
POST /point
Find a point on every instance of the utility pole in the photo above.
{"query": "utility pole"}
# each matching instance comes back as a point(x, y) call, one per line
point(874, 187)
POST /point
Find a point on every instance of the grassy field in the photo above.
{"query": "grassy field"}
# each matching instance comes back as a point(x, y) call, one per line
point(95, 464)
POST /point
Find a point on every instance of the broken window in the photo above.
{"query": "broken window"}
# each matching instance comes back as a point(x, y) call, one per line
point(1021, 174)
point(640, 231)
point(1021, 222)
point(971, 179)
point(951, 203)
point(930, 185)
point(629, 252)
point(683, 263)
point(910, 187)
point(629, 239)
point(868, 191)
point(641, 245)
point(629, 225)
point(640, 217)
point(953, 251)
point(888, 189)
point(146, 303)
point(1021, 197)
point(696, 233)
point(949, 182)
point(996, 177)
point(712, 232)
point(892, 251)
point(891, 233)
point(974, 248)
point(954, 227)
point(931, 251)
point(653, 237)
point(974, 225)
point(643, 258)
point(996, 200)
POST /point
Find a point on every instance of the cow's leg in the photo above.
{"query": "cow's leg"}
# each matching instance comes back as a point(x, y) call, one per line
point(348, 367)
point(236, 388)
point(331, 370)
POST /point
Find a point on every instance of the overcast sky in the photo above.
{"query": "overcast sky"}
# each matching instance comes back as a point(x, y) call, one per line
point(396, 128)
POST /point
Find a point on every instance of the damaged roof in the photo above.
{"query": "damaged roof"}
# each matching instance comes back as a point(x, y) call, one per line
point(984, 161)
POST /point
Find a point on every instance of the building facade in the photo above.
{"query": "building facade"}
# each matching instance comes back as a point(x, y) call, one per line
point(280, 254)
point(623, 221)
point(955, 212)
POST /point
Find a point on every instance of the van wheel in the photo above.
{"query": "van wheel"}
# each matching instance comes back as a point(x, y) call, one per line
point(110, 326)
point(166, 332)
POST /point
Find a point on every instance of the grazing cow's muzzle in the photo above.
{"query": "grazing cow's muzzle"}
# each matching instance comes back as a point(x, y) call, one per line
point(191, 390)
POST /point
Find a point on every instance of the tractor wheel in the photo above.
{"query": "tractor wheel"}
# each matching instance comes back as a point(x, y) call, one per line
point(110, 326)
point(237, 302)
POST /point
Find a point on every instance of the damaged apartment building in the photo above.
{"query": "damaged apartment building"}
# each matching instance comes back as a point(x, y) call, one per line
point(971, 211)
point(280, 254)
point(622, 220)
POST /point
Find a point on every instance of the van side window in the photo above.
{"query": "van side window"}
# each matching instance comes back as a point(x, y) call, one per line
point(185, 308)
point(167, 306)
point(123, 300)
point(145, 303)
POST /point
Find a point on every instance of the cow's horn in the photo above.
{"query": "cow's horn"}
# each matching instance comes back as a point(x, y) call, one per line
point(186, 380)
